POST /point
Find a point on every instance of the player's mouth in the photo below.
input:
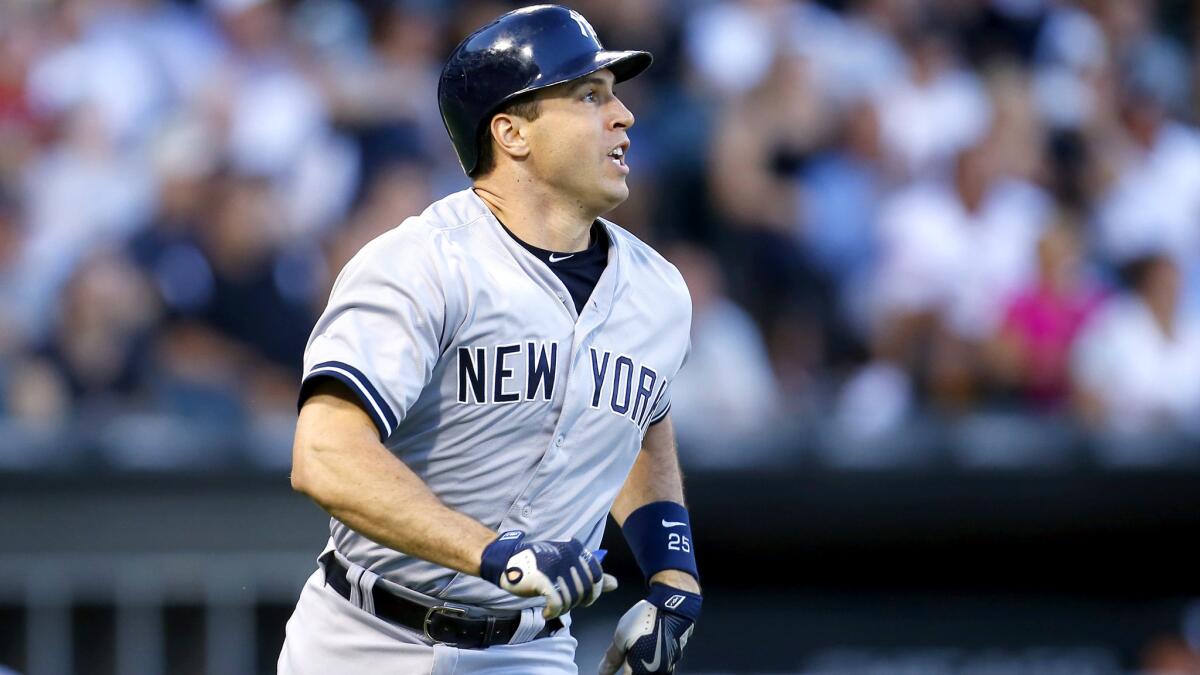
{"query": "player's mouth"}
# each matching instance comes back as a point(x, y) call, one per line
point(617, 156)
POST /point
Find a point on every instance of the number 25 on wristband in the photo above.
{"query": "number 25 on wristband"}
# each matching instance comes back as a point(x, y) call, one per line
point(678, 542)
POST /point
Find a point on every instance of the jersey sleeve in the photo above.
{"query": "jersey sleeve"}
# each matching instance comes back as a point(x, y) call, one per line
point(662, 404)
point(380, 334)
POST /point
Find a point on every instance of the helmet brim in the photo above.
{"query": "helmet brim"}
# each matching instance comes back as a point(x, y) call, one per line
point(624, 66)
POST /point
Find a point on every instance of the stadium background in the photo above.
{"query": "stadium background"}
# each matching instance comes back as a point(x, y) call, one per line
point(942, 407)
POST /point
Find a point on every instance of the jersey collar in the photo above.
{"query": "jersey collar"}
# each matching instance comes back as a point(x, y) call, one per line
point(601, 301)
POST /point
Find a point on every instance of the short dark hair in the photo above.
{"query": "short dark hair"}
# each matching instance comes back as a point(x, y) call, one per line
point(528, 107)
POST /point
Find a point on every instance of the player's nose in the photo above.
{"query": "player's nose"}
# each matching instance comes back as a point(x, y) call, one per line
point(622, 117)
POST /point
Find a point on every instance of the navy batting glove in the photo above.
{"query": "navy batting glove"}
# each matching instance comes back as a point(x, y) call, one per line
point(563, 572)
point(651, 636)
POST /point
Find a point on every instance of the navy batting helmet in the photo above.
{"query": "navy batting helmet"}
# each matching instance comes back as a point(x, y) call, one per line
point(525, 50)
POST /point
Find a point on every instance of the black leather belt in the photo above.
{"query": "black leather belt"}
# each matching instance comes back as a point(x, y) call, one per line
point(451, 626)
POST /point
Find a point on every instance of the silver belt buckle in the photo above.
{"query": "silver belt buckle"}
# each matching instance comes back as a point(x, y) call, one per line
point(441, 609)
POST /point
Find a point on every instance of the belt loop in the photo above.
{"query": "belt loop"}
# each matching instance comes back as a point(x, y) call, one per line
point(488, 632)
point(531, 624)
point(366, 585)
point(353, 574)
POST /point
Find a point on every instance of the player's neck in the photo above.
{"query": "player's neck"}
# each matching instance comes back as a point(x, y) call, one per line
point(537, 218)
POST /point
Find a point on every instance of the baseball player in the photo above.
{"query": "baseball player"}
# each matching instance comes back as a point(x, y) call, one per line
point(492, 378)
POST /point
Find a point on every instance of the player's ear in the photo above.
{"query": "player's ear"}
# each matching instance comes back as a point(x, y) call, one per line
point(509, 134)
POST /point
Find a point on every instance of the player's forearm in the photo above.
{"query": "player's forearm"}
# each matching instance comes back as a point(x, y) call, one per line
point(398, 511)
point(677, 579)
point(655, 476)
point(356, 479)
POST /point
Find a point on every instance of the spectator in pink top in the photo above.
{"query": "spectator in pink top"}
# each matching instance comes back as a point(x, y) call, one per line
point(1030, 354)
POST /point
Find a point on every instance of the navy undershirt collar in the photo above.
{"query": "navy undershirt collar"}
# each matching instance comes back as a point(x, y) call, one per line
point(579, 271)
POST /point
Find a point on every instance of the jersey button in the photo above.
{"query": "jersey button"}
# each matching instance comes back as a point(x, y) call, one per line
point(526, 511)
point(559, 441)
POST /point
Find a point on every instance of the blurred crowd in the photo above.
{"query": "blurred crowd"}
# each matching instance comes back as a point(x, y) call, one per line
point(885, 209)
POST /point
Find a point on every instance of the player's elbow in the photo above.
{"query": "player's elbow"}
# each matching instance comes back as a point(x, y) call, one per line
point(313, 449)
point(308, 472)
point(311, 480)
point(302, 479)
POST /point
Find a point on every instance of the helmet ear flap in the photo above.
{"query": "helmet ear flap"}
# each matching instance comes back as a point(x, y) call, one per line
point(521, 52)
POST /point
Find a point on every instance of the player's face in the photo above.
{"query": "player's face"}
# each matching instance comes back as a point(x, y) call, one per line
point(579, 140)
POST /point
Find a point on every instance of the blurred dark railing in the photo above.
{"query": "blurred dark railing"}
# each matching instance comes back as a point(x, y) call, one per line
point(988, 503)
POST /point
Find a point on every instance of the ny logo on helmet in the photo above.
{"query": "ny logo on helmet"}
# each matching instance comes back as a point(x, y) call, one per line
point(584, 26)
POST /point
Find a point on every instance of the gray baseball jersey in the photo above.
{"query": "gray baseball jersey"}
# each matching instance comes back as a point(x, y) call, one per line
point(469, 355)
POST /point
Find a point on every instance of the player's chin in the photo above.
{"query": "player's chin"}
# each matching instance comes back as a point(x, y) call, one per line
point(614, 194)
point(617, 186)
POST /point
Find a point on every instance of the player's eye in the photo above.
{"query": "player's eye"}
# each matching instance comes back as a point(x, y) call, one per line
point(590, 96)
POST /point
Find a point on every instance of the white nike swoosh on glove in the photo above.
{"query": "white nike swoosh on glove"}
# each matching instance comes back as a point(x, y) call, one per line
point(653, 665)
